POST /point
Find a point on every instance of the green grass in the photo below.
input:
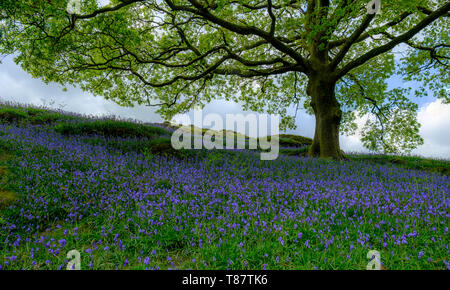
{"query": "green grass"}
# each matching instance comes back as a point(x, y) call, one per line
point(409, 162)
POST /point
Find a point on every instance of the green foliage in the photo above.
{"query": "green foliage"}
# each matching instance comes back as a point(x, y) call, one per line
point(10, 115)
point(289, 140)
point(294, 140)
point(164, 147)
point(32, 111)
point(109, 128)
point(398, 133)
point(48, 118)
point(31, 115)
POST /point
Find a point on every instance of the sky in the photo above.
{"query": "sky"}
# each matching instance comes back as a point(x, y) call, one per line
point(19, 86)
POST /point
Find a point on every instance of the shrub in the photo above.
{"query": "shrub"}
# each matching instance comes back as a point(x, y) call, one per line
point(35, 111)
point(44, 118)
point(109, 128)
point(287, 140)
point(298, 139)
point(163, 146)
point(10, 115)
point(7, 198)
point(30, 115)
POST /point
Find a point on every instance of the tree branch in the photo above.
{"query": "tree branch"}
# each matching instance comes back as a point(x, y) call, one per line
point(365, 23)
point(364, 36)
point(397, 40)
point(240, 29)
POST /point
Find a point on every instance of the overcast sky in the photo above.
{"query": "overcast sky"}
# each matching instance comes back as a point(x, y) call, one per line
point(19, 86)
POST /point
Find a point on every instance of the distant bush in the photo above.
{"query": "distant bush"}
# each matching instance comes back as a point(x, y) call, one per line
point(297, 139)
point(35, 111)
point(109, 128)
point(6, 198)
point(11, 115)
point(164, 147)
point(45, 118)
point(30, 115)
point(287, 140)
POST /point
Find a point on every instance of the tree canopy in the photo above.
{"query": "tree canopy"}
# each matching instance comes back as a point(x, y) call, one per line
point(331, 57)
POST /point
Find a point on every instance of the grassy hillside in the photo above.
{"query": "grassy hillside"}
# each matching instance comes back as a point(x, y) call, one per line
point(118, 193)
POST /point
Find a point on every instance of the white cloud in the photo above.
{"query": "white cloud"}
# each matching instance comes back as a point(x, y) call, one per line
point(103, 3)
point(435, 120)
point(353, 143)
point(18, 86)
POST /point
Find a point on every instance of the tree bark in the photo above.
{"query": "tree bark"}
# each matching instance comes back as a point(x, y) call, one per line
point(328, 117)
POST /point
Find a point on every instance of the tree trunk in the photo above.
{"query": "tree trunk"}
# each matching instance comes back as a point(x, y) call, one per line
point(328, 118)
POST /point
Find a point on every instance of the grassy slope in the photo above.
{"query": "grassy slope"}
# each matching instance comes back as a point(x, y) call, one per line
point(156, 140)
point(151, 140)
point(409, 162)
